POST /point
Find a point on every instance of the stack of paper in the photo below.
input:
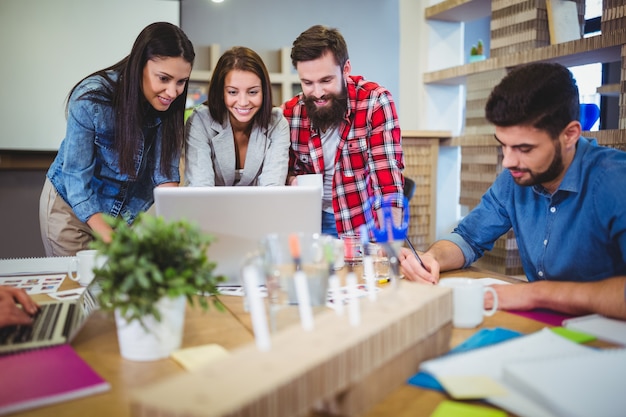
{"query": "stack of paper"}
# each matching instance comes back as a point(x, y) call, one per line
point(604, 328)
point(541, 374)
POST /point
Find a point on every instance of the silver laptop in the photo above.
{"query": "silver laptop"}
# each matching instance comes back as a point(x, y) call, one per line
point(239, 217)
point(56, 323)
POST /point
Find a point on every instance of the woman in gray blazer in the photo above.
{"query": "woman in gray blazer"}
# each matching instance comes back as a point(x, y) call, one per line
point(236, 137)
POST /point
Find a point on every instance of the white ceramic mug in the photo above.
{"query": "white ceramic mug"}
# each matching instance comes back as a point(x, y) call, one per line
point(311, 180)
point(468, 297)
point(81, 266)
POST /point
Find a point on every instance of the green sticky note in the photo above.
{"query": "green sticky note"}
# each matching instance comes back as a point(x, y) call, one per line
point(573, 335)
point(457, 409)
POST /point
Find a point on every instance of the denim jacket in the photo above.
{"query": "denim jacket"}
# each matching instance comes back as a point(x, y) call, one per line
point(86, 171)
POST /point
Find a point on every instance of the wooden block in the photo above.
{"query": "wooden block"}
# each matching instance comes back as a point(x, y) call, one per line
point(350, 367)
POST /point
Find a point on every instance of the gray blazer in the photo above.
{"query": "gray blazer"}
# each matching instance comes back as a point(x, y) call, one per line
point(210, 152)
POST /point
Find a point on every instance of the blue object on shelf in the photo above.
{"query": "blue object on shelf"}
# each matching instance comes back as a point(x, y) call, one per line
point(589, 115)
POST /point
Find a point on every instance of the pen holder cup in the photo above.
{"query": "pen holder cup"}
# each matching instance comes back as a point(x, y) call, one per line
point(279, 259)
point(353, 248)
point(380, 261)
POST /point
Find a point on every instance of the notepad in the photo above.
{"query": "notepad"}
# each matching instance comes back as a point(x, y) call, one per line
point(195, 357)
point(588, 384)
point(604, 328)
point(45, 376)
point(32, 266)
point(490, 362)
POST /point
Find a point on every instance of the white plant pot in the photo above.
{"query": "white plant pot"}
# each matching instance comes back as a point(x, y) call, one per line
point(157, 339)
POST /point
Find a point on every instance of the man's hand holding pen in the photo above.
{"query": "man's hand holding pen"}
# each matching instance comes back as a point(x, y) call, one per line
point(426, 271)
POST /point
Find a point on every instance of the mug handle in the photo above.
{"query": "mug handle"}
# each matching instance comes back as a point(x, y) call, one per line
point(73, 267)
point(494, 307)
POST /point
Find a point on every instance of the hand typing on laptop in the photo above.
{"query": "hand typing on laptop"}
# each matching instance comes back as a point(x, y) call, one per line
point(10, 312)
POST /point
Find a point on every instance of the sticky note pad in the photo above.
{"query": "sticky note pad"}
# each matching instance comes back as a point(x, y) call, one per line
point(198, 356)
point(457, 409)
point(573, 335)
point(463, 387)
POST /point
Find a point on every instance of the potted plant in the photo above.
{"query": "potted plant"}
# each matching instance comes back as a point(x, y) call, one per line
point(477, 53)
point(152, 269)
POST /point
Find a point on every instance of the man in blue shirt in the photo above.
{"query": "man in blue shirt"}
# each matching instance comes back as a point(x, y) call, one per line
point(563, 195)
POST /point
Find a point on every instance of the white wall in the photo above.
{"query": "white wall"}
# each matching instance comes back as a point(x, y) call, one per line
point(49, 45)
point(370, 28)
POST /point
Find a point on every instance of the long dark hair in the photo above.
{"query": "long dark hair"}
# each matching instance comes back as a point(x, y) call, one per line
point(243, 59)
point(160, 39)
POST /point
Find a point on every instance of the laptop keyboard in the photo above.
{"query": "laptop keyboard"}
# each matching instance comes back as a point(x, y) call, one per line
point(42, 328)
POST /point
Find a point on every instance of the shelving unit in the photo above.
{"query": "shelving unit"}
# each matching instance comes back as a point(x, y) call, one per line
point(480, 156)
point(421, 152)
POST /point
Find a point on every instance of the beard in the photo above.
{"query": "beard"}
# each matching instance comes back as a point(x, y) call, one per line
point(554, 170)
point(329, 115)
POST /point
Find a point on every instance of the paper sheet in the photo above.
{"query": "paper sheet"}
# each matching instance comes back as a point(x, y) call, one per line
point(604, 328)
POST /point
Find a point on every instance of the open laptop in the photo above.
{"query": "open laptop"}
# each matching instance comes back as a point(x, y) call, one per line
point(56, 323)
point(239, 217)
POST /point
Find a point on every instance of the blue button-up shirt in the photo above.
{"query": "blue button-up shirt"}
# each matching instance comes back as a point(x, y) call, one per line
point(576, 234)
point(86, 171)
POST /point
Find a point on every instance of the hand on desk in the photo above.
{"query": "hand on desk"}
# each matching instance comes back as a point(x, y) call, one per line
point(414, 271)
point(10, 312)
point(606, 297)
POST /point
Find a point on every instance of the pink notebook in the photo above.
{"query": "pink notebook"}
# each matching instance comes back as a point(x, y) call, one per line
point(45, 376)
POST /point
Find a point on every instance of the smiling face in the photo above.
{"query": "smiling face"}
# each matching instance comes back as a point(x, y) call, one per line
point(533, 157)
point(324, 88)
point(243, 95)
point(164, 79)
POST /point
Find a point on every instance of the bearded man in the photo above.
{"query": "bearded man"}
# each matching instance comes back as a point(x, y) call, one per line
point(563, 195)
point(345, 128)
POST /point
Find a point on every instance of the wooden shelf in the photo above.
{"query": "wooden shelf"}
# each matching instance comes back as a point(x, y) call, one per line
point(610, 90)
point(601, 48)
point(610, 137)
point(459, 10)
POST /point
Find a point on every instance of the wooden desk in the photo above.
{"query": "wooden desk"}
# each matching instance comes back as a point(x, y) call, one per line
point(97, 344)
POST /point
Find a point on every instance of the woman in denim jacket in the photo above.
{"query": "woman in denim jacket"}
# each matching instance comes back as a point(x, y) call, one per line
point(237, 137)
point(125, 131)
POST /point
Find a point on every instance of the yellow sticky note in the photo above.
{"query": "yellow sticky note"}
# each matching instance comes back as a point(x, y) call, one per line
point(471, 387)
point(198, 356)
point(457, 409)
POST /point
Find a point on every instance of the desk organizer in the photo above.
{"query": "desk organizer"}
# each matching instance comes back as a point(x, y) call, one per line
point(347, 368)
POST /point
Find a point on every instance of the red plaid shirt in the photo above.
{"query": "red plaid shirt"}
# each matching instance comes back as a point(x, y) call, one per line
point(369, 160)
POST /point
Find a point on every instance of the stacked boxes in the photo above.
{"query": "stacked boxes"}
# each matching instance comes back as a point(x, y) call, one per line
point(479, 167)
point(481, 162)
point(519, 25)
point(479, 87)
point(420, 164)
point(613, 17)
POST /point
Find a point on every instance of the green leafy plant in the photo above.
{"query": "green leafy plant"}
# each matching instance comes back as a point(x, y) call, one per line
point(477, 49)
point(153, 259)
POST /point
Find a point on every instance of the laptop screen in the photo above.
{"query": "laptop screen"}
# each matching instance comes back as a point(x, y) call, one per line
point(239, 217)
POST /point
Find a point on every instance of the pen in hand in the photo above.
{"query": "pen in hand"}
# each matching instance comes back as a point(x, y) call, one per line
point(414, 252)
